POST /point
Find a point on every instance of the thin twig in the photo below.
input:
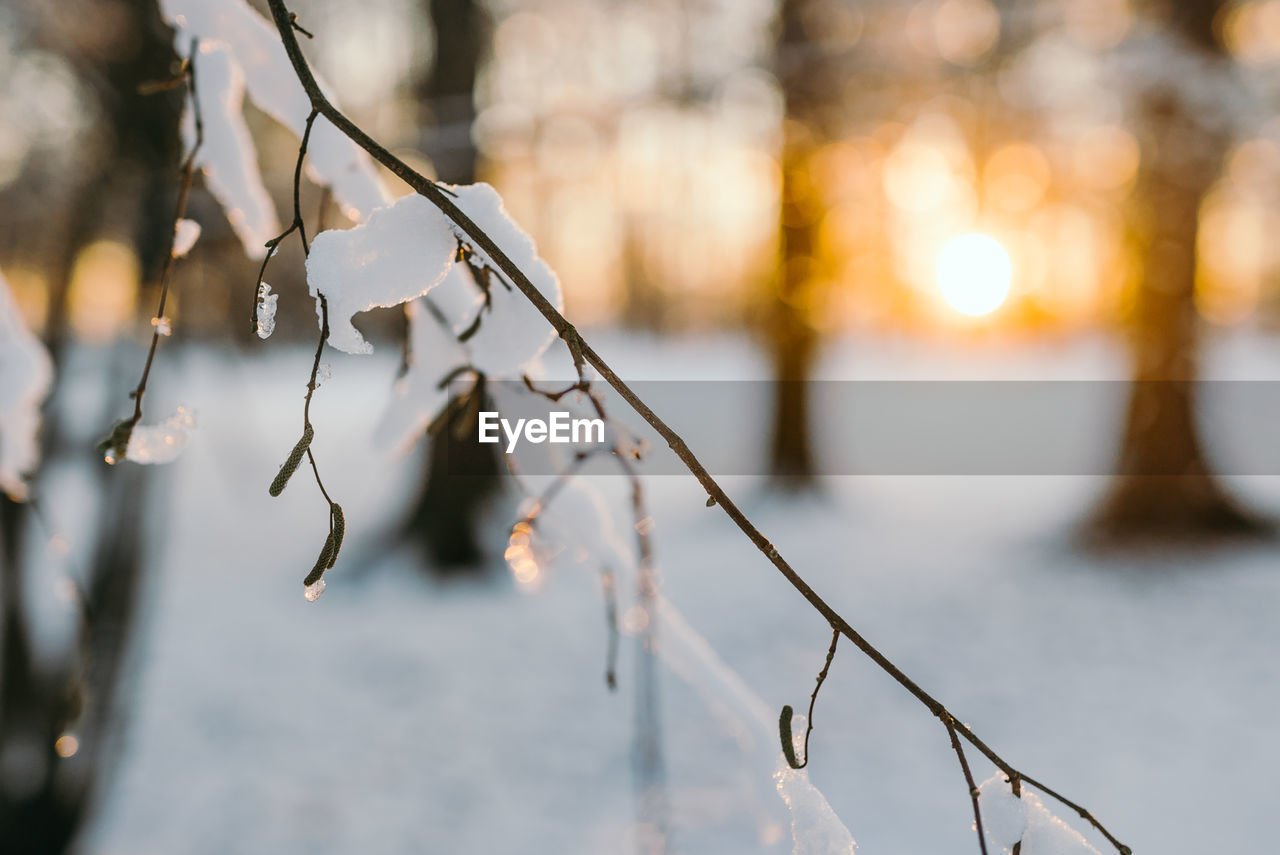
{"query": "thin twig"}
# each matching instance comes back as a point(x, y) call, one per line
point(311, 388)
point(329, 554)
point(166, 276)
point(581, 350)
point(609, 588)
point(968, 778)
point(297, 224)
point(788, 749)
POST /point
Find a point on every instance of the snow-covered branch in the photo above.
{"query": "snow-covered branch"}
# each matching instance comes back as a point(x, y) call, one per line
point(477, 237)
point(479, 300)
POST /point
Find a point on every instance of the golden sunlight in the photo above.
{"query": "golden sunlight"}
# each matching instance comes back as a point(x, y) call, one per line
point(974, 274)
point(104, 290)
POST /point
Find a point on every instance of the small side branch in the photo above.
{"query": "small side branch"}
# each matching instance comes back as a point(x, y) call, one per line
point(609, 588)
point(968, 779)
point(784, 720)
point(297, 225)
point(116, 445)
point(314, 581)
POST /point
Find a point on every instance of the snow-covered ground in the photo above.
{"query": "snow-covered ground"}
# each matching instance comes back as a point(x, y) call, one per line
point(399, 715)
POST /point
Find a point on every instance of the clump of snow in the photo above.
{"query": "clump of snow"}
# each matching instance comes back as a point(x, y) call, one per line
point(401, 252)
point(163, 442)
point(1004, 815)
point(227, 154)
point(26, 371)
point(815, 828)
point(163, 326)
point(434, 352)
point(1008, 819)
point(250, 46)
point(512, 332)
point(456, 300)
point(185, 234)
point(505, 334)
point(266, 310)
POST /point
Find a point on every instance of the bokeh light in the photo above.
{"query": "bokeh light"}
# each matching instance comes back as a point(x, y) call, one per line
point(974, 274)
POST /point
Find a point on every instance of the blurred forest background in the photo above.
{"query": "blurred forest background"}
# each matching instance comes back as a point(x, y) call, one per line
point(651, 145)
point(795, 169)
point(789, 170)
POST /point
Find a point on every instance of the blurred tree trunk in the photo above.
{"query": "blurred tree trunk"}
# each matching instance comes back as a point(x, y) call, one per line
point(1163, 485)
point(643, 306)
point(446, 93)
point(45, 797)
point(461, 473)
point(789, 320)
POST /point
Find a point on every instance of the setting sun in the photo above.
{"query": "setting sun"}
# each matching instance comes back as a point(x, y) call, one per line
point(974, 274)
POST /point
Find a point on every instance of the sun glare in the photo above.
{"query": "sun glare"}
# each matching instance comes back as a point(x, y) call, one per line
point(974, 274)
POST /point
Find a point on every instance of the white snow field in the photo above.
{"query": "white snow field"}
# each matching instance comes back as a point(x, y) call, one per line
point(399, 715)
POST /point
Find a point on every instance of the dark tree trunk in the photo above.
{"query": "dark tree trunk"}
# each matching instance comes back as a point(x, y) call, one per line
point(461, 473)
point(447, 93)
point(643, 307)
point(461, 476)
point(45, 797)
point(1163, 487)
point(789, 323)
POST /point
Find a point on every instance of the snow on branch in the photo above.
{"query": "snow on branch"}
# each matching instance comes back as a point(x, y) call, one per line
point(511, 332)
point(1020, 824)
point(495, 249)
point(816, 829)
point(401, 252)
point(229, 161)
point(26, 372)
point(423, 392)
point(474, 320)
point(240, 54)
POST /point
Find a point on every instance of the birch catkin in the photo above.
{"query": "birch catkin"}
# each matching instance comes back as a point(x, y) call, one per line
point(291, 465)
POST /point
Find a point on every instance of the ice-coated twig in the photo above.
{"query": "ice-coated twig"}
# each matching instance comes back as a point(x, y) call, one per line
point(297, 225)
point(115, 446)
point(584, 354)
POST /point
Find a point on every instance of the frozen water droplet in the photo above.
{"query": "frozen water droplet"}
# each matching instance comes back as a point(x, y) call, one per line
point(266, 310)
point(323, 372)
point(162, 325)
point(313, 591)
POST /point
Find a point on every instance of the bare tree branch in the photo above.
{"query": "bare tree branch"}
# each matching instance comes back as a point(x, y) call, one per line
point(582, 352)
